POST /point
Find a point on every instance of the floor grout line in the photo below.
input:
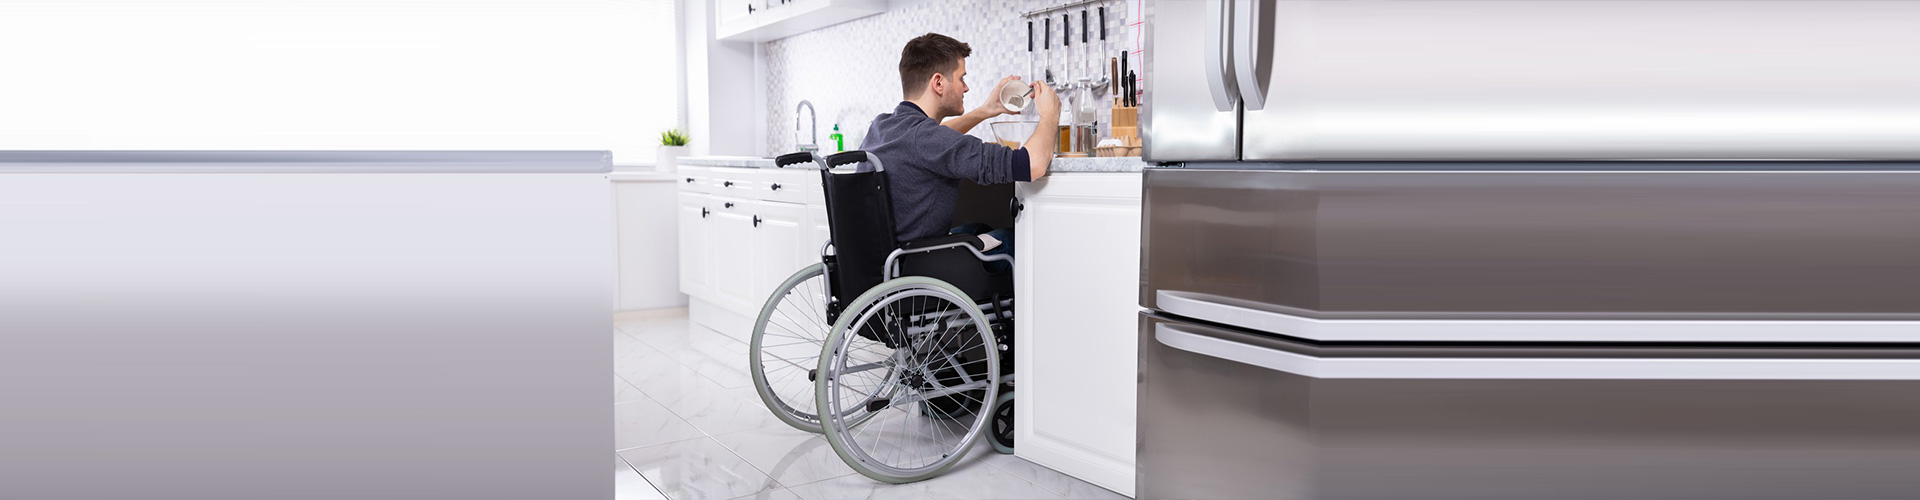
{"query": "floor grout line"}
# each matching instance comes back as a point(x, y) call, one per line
point(643, 477)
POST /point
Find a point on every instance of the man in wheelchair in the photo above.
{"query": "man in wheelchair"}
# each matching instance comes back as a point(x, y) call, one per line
point(897, 345)
point(927, 151)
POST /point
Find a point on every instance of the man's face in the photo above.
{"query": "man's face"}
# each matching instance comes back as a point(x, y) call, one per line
point(954, 102)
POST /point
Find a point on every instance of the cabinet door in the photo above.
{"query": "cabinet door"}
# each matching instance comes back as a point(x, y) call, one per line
point(732, 250)
point(732, 15)
point(693, 222)
point(1077, 275)
point(776, 242)
point(647, 213)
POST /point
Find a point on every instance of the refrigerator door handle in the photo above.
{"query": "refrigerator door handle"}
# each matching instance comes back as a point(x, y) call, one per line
point(1220, 78)
point(1197, 340)
point(1186, 339)
point(1253, 67)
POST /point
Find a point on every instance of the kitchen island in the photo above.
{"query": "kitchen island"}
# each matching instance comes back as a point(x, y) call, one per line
point(224, 324)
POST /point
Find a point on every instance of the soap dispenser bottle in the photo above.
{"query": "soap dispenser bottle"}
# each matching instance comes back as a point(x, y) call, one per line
point(839, 141)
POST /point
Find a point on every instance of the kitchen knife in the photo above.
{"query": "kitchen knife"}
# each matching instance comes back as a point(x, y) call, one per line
point(1133, 83)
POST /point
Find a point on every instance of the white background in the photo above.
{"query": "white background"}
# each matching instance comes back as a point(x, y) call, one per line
point(338, 74)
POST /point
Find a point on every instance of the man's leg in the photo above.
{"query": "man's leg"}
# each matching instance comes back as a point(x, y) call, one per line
point(971, 228)
point(1005, 235)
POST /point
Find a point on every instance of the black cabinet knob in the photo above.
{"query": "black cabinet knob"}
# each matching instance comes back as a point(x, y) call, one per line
point(1014, 206)
point(689, 179)
point(703, 212)
point(756, 221)
point(729, 204)
point(727, 183)
point(776, 187)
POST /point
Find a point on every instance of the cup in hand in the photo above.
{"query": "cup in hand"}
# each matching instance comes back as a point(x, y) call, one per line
point(1016, 95)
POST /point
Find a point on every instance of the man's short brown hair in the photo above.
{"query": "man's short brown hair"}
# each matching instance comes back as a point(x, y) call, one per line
point(929, 54)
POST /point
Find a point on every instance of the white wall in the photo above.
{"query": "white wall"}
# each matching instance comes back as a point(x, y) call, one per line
point(337, 74)
point(725, 84)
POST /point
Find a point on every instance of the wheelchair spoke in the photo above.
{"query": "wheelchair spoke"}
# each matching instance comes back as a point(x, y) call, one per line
point(786, 337)
point(923, 412)
point(808, 296)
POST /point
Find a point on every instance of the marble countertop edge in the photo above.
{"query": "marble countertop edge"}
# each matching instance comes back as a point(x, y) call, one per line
point(1059, 165)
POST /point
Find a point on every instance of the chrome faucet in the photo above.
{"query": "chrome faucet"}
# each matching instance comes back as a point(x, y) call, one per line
point(813, 127)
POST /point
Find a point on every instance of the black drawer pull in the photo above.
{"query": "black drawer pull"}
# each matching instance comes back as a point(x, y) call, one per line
point(729, 204)
point(776, 187)
point(703, 212)
point(689, 179)
point(756, 221)
point(728, 183)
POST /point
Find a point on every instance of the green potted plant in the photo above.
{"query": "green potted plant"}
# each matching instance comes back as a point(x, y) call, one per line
point(673, 145)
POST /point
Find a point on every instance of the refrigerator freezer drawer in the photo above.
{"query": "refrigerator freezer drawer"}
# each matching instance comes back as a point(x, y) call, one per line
point(1220, 419)
point(1508, 245)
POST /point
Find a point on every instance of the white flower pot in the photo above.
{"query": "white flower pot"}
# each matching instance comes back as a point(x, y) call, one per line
point(667, 158)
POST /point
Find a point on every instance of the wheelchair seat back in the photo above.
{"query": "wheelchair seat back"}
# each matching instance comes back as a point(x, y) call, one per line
point(860, 223)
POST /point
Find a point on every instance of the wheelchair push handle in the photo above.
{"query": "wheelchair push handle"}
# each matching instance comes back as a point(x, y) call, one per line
point(852, 157)
point(790, 159)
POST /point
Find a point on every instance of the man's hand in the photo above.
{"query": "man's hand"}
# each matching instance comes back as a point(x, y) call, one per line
point(990, 109)
point(993, 107)
point(1041, 146)
point(1046, 101)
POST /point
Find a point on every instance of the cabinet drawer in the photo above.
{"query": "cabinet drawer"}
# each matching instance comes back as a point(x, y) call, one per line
point(694, 179)
point(736, 182)
point(792, 186)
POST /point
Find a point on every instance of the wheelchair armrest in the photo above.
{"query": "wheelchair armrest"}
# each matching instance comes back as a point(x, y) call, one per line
point(970, 240)
point(955, 259)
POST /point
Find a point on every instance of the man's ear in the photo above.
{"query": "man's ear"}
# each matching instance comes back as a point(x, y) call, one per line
point(937, 84)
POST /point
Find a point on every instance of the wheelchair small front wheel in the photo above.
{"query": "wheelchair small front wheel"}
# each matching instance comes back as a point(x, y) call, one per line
point(1002, 432)
point(943, 352)
point(785, 347)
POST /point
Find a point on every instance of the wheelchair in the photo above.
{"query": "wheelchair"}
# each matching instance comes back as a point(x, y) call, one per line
point(900, 353)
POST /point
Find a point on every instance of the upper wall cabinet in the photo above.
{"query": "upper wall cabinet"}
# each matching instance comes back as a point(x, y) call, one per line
point(763, 20)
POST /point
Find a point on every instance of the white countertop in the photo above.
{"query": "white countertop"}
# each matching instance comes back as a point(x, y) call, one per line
point(1060, 165)
point(644, 175)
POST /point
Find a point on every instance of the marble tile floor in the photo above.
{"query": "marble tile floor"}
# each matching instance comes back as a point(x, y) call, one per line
point(691, 428)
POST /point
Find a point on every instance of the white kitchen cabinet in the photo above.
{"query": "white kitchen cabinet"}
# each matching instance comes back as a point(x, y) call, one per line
point(733, 13)
point(646, 211)
point(692, 219)
point(1076, 286)
point(777, 226)
point(763, 20)
point(730, 244)
point(754, 230)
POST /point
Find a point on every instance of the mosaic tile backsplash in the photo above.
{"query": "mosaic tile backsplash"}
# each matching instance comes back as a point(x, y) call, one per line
point(849, 71)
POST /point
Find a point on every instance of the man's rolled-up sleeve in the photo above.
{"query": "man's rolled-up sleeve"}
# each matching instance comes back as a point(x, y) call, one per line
point(983, 163)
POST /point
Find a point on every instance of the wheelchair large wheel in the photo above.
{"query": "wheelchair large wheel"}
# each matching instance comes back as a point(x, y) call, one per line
point(787, 340)
point(943, 352)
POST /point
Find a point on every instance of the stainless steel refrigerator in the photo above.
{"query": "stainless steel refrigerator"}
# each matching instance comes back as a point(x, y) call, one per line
point(1531, 249)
